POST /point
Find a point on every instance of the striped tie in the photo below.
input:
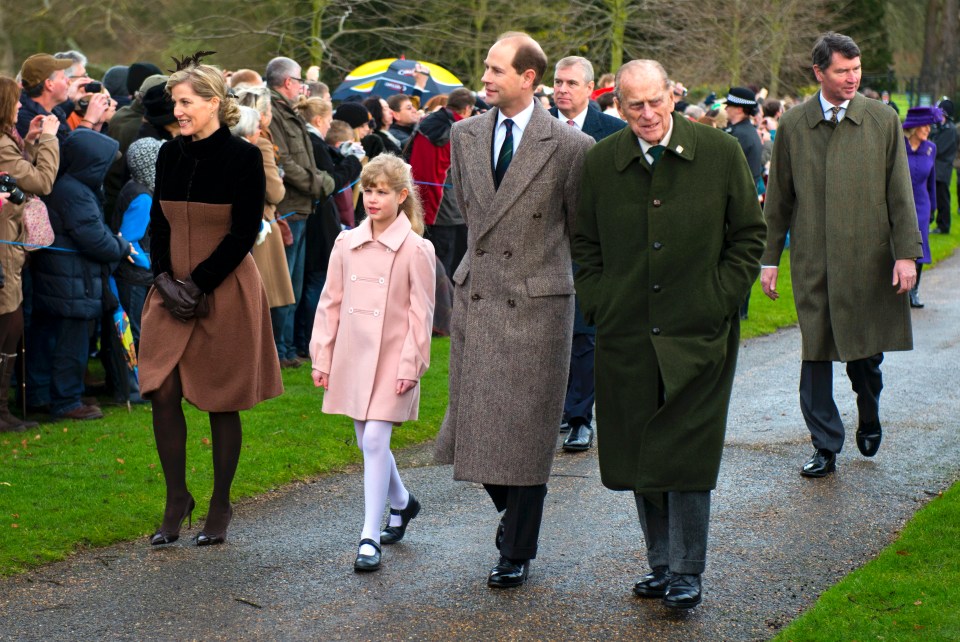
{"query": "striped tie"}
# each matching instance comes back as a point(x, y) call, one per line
point(506, 153)
point(834, 117)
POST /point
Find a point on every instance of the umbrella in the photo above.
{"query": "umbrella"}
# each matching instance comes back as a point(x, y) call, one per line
point(122, 343)
point(389, 76)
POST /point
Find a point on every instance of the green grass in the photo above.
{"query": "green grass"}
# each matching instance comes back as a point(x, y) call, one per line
point(70, 485)
point(909, 592)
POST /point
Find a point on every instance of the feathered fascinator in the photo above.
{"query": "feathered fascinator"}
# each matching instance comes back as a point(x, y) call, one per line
point(190, 61)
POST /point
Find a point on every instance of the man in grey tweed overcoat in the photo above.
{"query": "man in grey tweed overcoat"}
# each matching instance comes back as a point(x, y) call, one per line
point(516, 176)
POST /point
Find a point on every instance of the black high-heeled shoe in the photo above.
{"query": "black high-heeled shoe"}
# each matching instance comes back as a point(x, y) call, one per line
point(169, 537)
point(393, 534)
point(365, 563)
point(212, 539)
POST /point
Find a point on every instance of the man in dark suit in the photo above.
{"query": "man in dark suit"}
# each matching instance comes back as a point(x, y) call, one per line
point(516, 176)
point(944, 136)
point(572, 87)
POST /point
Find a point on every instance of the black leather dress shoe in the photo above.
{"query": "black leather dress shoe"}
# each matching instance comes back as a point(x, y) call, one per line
point(654, 583)
point(365, 563)
point(683, 592)
point(821, 464)
point(393, 534)
point(508, 574)
point(868, 439)
point(579, 439)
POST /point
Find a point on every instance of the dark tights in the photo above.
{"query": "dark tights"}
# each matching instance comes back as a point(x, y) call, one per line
point(11, 329)
point(170, 432)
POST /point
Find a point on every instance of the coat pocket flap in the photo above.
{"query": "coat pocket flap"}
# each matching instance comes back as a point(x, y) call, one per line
point(552, 285)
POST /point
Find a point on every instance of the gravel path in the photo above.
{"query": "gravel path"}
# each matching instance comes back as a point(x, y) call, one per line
point(777, 540)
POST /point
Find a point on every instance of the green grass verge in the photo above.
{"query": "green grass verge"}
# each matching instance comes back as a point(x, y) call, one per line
point(70, 485)
point(909, 592)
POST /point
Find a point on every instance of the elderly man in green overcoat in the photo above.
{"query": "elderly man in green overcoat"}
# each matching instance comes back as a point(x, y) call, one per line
point(668, 239)
point(840, 184)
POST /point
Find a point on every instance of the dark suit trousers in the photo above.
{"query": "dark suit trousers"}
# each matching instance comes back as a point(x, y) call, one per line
point(676, 533)
point(578, 404)
point(816, 398)
point(943, 206)
point(521, 522)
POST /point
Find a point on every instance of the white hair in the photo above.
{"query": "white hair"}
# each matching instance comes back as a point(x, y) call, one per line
point(279, 69)
point(248, 123)
point(576, 61)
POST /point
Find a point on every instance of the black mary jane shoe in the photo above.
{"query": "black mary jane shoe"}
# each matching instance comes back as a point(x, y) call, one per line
point(821, 464)
point(508, 573)
point(654, 583)
point(169, 537)
point(367, 563)
point(393, 534)
point(683, 592)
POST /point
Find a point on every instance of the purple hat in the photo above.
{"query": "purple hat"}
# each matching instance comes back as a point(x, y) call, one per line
point(919, 116)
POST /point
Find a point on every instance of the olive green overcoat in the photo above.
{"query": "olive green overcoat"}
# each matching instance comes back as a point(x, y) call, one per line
point(843, 191)
point(666, 258)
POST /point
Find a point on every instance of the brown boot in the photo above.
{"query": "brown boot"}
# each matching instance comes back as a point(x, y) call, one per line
point(7, 418)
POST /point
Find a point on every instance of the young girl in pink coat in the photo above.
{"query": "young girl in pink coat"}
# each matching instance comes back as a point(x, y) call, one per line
point(371, 339)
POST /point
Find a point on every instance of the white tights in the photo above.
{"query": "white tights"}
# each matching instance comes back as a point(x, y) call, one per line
point(381, 479)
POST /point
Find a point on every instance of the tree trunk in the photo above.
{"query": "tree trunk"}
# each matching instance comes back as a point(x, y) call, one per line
point(932, 49)
point(950, 49)
point(618, 26)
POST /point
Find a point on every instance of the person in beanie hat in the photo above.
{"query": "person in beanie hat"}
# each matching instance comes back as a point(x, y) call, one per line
point(944, 136)
point(355, 115)
point(921, 156)
point(158, 114)
point(115, 81)
point(138, 72)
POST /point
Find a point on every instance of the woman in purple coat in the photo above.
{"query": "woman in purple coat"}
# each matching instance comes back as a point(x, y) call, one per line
point(921, 155)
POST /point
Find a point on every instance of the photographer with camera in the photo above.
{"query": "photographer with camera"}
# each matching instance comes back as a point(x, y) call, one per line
point(28, 165)
point(45, 86)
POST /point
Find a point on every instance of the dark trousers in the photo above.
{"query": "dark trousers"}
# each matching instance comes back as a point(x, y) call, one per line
point(578, 404)
point(676, 532)
point(313, 282)
point(521, 521)
point(450, 244)
point(57, 361)
point(816, 398)
point(943, 207)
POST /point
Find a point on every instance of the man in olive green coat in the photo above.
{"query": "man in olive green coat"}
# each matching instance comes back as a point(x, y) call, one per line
point(840, 184)
point(669, 236)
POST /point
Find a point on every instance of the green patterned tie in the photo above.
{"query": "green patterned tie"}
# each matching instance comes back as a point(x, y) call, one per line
point(506, 153)
point(656, 151)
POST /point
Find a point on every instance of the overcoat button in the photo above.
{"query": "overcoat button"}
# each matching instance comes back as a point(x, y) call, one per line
point(656, 331)
point(376, 313)
point(657, 245)
point(511, 303)
point(656, 288)
point(350, 310)
point(353, 277)
point(476, 297)
point(656, 202)
point(480, 252)
point(537, 215)
point(507, 254)
point(381, 280)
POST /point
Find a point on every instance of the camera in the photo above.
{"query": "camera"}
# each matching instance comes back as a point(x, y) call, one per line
point(93, 87)
point(9, 184)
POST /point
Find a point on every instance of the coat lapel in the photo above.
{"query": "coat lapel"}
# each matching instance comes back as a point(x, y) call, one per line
point(477, 159)
point(536, 148)
point(683, 143)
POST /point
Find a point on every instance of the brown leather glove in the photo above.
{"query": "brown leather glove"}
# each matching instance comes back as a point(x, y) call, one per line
point(183, 299)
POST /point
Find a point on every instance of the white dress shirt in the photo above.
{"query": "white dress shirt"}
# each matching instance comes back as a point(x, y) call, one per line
point(827, 108)
point(578, 120)
point(520, 122)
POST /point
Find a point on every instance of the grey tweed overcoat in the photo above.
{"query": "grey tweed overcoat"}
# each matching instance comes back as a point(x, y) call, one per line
point(844, 193)
point(513, 301)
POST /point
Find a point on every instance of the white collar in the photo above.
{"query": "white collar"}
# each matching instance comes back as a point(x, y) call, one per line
point(579, 119)
point(520, 121)
point(826, 106)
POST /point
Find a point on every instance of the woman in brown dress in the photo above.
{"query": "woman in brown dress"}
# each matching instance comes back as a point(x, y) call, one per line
point(206, 333)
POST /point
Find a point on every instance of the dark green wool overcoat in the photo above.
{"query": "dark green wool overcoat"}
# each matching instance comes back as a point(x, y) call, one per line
point(844, 193)
point(666, 258)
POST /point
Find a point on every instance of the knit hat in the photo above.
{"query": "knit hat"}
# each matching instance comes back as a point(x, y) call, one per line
point(946, 106)
point(39, 67)
point(744, 98)
point(115, 80)
point(152, 81)
point(136, 74)
point(142, 160)
point(919, 116)
point(354, 114)
point(158, 106)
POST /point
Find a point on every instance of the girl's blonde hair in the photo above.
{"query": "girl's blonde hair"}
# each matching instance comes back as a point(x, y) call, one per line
point(396, 175)
point(207, 82)
point(310, 108)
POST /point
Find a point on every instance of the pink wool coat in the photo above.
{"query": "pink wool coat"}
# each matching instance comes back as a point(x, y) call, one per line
point(374, 322)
